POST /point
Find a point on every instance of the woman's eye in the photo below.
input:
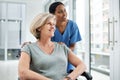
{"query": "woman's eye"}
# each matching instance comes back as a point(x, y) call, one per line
point(50, 24)
point(60, 12)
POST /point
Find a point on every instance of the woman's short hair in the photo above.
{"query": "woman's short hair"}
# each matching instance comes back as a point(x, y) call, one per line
point(39, 21)
point(53, 6)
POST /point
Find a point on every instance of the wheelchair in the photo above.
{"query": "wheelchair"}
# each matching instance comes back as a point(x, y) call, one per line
point(87, 75)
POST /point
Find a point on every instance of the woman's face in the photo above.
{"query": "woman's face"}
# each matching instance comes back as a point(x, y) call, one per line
point(60, 12)
point(49, 28)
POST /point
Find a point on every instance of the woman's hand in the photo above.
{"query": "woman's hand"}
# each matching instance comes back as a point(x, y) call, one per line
point(67, 78)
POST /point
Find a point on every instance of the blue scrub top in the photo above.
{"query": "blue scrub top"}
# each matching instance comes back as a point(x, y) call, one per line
point(71, 35)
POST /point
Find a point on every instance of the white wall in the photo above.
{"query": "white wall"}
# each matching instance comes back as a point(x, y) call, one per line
point(9, 70)
point(33, 7)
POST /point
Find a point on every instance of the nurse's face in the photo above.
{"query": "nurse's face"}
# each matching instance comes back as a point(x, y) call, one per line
point(60, 12)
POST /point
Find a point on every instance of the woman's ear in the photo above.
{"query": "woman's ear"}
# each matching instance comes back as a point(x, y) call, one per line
point(39, 29)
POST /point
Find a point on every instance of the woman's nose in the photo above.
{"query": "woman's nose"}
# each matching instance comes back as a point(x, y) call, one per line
point(53, 27)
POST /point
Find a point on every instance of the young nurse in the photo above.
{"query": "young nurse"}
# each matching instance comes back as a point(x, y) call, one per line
point(66, 30)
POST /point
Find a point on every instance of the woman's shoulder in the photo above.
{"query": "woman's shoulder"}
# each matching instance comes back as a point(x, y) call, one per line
point(72, 25)
point(71, 21)
point(30, 44)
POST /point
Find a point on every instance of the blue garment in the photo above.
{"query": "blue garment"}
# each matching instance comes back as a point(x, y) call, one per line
point(71, 35)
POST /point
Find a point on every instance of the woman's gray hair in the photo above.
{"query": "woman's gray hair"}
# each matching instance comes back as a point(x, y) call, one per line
point(39, 21)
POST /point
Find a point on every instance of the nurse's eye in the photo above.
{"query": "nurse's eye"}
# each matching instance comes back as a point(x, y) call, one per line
point(62, 11)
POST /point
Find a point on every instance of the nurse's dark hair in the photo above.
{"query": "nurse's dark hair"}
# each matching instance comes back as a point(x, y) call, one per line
point(53, 6)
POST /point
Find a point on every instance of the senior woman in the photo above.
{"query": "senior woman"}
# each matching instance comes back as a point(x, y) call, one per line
point(44, 59)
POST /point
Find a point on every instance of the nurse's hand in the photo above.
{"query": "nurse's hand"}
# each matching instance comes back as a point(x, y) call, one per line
point(60, 42)
point(25, 43)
